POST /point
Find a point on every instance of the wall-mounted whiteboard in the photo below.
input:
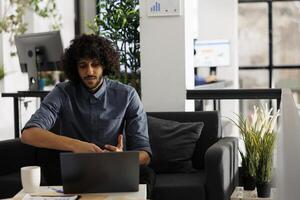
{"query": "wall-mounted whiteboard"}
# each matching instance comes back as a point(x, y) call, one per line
point(211, 53)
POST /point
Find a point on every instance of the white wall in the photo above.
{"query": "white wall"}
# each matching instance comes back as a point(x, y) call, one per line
point(166, 59)
point(66, 10)
point(167, 53)
point(87, 14)
point(288, 160)
point(218, 20)
point(15, 80)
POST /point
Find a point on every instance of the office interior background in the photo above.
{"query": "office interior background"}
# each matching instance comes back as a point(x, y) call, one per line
point(264, 48)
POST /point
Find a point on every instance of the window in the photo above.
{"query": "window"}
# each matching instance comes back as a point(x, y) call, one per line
point(286, 31)
point(269, 45)
point(253, 34)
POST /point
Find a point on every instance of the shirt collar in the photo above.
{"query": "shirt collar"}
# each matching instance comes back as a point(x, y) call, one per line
point(85, 92)
point(101, 90)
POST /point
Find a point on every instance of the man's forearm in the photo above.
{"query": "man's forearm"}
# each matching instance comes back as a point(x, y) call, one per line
point(45, 139)
point(144, 158)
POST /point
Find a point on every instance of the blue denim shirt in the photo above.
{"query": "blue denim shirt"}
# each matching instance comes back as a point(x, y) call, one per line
point(96, 118)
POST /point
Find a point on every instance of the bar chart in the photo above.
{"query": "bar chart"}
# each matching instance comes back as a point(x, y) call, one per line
point(164, 7)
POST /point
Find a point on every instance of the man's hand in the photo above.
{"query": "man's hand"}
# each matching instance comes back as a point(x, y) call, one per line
point(118, 148)
point(144, 157)
point(85, 147)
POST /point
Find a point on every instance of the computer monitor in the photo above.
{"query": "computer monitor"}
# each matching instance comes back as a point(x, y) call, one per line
point(211, 53)
point(39, 52)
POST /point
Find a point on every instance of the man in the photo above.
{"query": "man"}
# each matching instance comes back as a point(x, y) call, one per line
point(92, 110)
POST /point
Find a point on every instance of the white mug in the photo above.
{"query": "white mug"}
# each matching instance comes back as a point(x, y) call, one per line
point(31, 178)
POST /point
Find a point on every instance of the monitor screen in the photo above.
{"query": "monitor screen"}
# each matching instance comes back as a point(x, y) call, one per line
point(211, 53)
point(39, 52)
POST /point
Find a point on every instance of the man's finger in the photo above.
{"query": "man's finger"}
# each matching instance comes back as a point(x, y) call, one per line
point(120, 142)
point(111, 147)
point(97, 149)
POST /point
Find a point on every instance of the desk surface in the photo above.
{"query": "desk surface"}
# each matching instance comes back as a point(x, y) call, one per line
point(214, 85)
point(25, 94)
point(52, 190)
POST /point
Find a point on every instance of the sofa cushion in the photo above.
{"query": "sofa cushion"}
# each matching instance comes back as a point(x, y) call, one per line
point(15, 155)
point(10, 184)
point(172, 144)
point(210, 133)
point(180, 186)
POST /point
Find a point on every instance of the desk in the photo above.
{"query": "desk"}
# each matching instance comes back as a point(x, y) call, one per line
point(16, 96)
point(51, 190)
point(216, 94)
point(221, 84)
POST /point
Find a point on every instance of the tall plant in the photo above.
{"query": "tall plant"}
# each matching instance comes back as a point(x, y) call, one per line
point(12, 19)
point(259, 138)
point(119, 21)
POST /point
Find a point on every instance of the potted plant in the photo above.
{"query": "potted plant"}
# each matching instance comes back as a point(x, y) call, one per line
point(257, 132)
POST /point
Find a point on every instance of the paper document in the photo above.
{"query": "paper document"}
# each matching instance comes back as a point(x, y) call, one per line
point(50, 197)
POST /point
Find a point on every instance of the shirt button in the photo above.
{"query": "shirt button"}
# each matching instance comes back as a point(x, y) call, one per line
point(92, 101)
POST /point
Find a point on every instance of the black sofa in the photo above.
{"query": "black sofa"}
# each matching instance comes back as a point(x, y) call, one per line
point(214, 157)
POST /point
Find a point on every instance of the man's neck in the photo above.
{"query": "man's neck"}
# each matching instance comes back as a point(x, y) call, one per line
point(94, 90)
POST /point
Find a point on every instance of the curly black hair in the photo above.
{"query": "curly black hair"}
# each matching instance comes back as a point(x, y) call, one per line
point(93, 47)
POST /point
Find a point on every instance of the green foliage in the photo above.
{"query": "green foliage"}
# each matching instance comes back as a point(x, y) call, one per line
point(119, 21)
point(259, 139)
point(251, 140)
point(265, 162)
point(12, 19)
point(1, 72)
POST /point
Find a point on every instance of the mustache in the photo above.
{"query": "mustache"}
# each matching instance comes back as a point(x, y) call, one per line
point(89, 77)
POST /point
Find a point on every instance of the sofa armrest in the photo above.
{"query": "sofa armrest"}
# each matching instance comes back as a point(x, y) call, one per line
point(14, 154)
point(221, 168)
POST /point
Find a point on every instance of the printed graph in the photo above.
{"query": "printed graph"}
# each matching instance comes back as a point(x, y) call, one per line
point(163, 7)
point(155, 7)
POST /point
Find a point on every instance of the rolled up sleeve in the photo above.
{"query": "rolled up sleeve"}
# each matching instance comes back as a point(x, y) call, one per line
point(46, 116)
point(136, 126)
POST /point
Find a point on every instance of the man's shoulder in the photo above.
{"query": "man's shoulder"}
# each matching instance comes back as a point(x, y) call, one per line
point(116, 85)
point(65, 87)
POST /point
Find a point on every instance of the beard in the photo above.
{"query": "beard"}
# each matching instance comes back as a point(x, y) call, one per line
point(92, 82)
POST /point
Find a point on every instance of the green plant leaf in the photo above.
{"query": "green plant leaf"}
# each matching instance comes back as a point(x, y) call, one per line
point(119, 21)
point(13, 22)
point(259, 140)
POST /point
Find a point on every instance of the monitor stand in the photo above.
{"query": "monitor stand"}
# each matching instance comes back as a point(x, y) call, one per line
point(34, 58)
point(213, 71)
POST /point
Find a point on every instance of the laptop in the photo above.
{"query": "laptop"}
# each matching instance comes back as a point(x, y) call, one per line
point(100, 172)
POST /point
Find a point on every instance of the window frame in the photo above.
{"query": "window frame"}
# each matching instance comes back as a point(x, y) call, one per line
point(270, 67)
